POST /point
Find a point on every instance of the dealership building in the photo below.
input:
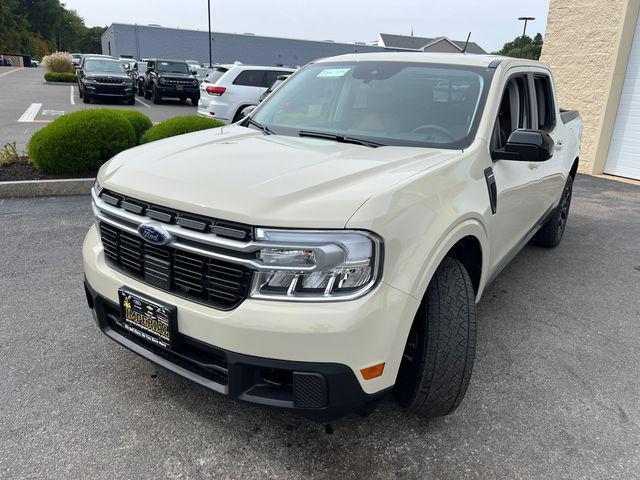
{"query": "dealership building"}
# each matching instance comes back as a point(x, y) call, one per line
point(153, 41)
point(593, 48)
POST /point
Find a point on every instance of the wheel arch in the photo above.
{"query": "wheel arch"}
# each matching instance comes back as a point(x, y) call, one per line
point(468, 243)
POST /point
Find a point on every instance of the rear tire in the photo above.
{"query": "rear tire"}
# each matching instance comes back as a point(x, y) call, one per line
point(438, 358)
point(147, 93)
point(550, 234)
point(140, 90)
point(131, 101)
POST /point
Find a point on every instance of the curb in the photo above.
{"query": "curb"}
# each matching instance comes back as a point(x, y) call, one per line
point(60, 83)
point(46, 188)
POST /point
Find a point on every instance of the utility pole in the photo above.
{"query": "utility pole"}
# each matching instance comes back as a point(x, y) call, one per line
point(209, 18)
point(524, 32)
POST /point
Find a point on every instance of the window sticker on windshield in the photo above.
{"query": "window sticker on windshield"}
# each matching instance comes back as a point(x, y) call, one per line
point(333, 72)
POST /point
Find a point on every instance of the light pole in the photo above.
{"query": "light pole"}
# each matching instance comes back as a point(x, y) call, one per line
point(209, 18)
point(524, 32)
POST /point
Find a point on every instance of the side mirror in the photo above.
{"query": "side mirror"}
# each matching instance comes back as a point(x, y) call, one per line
point(526, 146)
point(246, 111)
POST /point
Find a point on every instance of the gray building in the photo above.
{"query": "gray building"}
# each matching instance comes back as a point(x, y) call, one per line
point(149, 41)
point(427, 44)
point(142, 41)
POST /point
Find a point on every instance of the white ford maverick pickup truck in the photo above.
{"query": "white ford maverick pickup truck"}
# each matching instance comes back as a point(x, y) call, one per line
point(331, 247)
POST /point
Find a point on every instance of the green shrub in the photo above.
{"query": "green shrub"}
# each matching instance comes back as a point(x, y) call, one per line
point(60, 77)
point(81, 141)
point(178, 126)
point(139, 121)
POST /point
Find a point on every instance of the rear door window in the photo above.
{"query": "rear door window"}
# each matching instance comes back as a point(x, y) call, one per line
point(544, 102)
point(250, 78)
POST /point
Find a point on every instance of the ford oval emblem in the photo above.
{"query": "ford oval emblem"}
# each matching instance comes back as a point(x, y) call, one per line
point(154, 233)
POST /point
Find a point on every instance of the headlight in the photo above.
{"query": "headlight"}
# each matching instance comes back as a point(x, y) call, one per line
point(316, 265)
point(90, 81)
point(97, 187)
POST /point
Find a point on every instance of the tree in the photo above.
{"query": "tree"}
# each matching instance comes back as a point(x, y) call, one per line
point(38, 27)
point(530, 47)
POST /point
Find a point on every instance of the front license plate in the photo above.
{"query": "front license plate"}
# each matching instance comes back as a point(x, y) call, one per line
point(147, 318)
point(179, 87)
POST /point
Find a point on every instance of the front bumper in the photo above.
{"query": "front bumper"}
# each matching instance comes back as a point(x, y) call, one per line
point(173, 91)
point(323, 344)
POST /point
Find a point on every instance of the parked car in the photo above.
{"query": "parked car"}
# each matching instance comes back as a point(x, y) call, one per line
point(170, 78)
point(331, 248)
point(200, 72)
point(279, 81)
point(104, 78)
point(5, 61)
point(137, 73)
point(193, 64)
point(238, 87)
point(75, 59)
point(35, 63)
point(127, 63)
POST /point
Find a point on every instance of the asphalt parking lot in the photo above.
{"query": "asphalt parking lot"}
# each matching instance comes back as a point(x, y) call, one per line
point(22, 88)
point(554, 392)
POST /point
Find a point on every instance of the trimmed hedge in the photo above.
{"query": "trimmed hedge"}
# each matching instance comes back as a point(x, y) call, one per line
point(139, 121)
point(81, 141)
point(178, 126)
point(60, 77)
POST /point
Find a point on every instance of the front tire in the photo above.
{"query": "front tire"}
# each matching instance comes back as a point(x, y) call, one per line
point(438, 358)
point(550, 234)
point(86, 98)
point(157, 99)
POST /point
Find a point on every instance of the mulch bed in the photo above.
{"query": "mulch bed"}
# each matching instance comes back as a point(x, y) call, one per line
point(26, 171)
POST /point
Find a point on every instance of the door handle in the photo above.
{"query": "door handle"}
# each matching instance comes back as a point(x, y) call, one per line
point(533, 165)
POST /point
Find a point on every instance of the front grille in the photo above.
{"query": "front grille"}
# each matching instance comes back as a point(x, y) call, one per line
point(220, 284)
point(174, 81)
point(221, 228)
point(114, 81)
point(109, 90)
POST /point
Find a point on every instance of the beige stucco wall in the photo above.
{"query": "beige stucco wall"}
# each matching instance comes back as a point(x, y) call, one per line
point(587, 45)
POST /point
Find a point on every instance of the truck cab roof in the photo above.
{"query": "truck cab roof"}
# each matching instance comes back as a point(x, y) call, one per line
point(471, 60)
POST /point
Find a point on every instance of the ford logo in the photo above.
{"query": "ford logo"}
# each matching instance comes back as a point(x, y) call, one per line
point(154, 233)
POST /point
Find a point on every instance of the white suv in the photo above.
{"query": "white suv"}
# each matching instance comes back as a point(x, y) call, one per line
point(226, 91)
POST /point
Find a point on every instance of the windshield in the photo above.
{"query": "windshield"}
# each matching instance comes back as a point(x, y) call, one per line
point(391, 103)
point(171, 67)
point(103, 65)
point(215, 75)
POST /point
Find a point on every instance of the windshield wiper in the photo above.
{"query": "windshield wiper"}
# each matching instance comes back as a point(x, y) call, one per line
point(340, 138)
point(266, 130)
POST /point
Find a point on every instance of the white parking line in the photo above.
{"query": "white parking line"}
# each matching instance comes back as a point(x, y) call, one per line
point(10, 71)
point(145, 104)
point(73, 101)
point(30, 113)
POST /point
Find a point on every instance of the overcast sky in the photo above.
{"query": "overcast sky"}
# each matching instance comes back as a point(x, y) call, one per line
point(492, 22)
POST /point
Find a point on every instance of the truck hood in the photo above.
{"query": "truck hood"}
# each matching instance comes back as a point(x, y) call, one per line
point(240, 174)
